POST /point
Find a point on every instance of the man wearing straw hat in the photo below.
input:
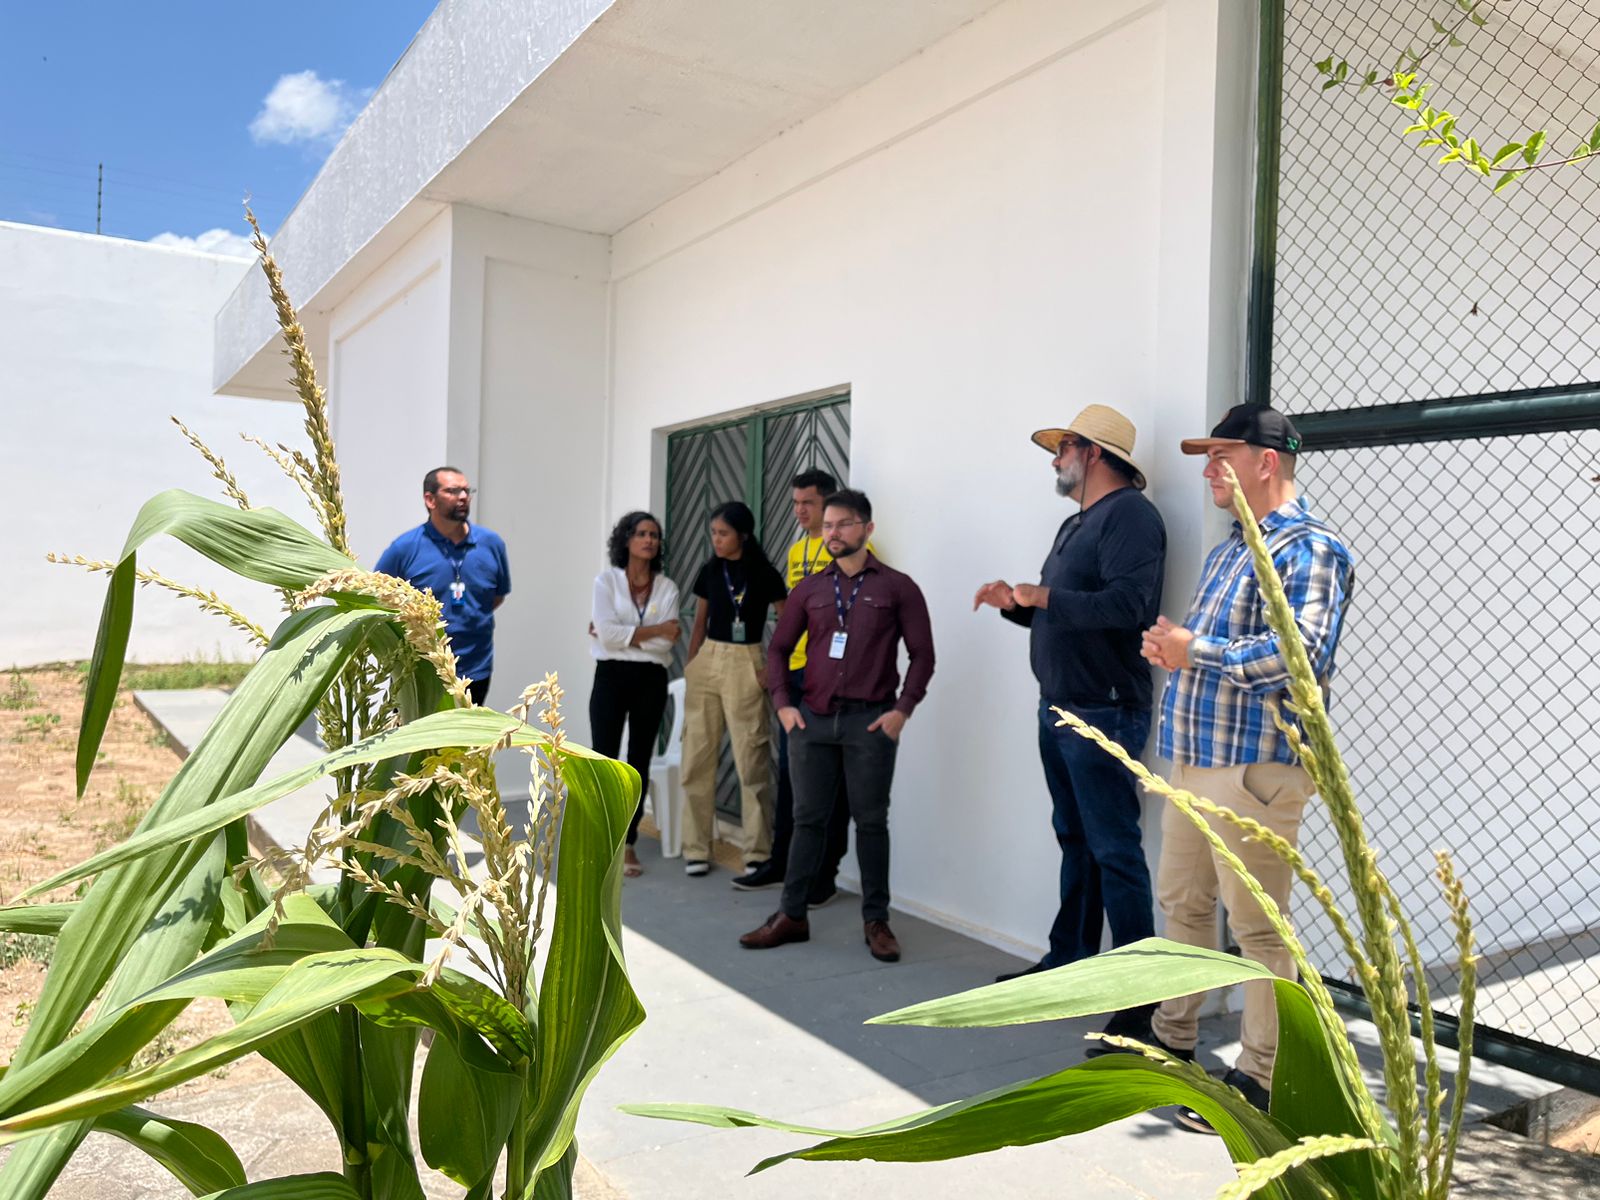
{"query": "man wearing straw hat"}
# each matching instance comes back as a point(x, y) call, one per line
point(1099, 589)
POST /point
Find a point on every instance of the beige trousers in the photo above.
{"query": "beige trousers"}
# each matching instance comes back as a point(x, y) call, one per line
point(723, 689)
point(1190, 880)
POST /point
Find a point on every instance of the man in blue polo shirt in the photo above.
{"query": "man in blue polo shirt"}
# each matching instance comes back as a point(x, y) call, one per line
point(463, 565)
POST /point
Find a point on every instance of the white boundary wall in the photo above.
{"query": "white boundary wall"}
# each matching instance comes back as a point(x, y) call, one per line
point(103, 340)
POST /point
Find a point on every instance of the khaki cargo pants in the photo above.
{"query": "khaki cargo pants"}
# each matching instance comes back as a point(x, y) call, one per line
point(723, 689)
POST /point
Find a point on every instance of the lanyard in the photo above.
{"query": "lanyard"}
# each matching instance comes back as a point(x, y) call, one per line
point(736, 597)
point(839, 605)
point(807, 562)
point(637, 607)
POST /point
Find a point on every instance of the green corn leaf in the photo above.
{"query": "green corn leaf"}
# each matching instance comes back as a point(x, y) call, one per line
point(314, 985)
point(587, 1007)
point(240, 969)
point(45, 919)
point(1311, 1094)
point(1080, 1098)
point(324, 1185)
point(464, 727)
point(198, 1158)
point(260, 544)
point(465, 1109)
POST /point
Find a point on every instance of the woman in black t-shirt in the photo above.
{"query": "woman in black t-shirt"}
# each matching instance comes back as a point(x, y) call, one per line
point(725, 688)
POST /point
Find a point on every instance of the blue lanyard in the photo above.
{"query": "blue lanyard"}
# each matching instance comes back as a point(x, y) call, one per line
point(637, 607)
point(839, 605)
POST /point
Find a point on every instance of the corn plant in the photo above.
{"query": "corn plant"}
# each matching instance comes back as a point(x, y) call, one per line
point(332, 983)
point(1326, 1135)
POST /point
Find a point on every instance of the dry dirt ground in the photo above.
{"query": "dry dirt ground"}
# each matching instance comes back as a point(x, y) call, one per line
point(45, 827)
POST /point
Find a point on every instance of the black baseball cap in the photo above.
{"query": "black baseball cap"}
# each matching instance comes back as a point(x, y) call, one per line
point(1251, 425)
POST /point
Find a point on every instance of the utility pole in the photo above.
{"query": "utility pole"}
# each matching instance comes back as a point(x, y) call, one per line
point(99, 194)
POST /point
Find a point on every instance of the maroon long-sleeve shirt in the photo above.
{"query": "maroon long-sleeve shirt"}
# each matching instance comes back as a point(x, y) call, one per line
point(888, 609)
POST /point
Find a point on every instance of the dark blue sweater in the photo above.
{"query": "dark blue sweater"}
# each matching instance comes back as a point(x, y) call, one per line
point(1104, 573)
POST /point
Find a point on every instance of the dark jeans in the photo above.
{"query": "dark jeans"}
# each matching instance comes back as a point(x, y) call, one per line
point(1104, 876)
point(478, 690)
point(830, 751)
point(838, 831)
point(635, 693)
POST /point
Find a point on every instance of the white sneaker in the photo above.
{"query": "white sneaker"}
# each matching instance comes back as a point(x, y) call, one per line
point(696, 866)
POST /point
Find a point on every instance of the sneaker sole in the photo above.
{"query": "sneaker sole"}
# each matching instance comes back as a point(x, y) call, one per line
point(824, 902)
point(696, 872)
point(1189, 1119)
point(740, 885)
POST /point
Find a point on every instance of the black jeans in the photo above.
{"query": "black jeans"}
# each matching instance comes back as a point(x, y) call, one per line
point(829, 752)
point(635, 693)
point(478, 690)
point(837, 840)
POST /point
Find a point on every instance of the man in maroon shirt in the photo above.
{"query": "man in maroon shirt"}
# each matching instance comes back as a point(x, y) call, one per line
point(855, 613)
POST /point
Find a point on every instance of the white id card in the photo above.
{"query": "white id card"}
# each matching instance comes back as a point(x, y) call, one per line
point(737, 632)
point(836, 646)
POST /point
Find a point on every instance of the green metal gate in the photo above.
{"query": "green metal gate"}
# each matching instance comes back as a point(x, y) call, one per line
point(1439, 346)
point(751, 458)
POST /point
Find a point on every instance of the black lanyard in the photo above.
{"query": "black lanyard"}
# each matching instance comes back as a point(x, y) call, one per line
point(839, 605)
point(736, 597)
point(806, 562)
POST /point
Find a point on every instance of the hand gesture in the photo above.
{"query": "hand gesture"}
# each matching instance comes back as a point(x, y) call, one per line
point(1031, 595)
point(996, 595)
point(1166, 645)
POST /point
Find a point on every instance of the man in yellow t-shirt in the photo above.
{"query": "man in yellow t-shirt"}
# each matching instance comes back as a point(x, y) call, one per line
point(807, 556)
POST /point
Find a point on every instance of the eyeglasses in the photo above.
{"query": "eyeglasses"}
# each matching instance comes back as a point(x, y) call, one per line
point(461, 491)
point(839, 526)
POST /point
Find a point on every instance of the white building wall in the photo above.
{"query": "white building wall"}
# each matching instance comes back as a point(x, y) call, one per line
point(977, 243)
point(528, 386)
point(387, 385)
point(103, 340)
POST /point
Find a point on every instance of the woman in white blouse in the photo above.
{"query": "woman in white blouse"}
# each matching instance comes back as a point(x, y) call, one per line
point(635, 625)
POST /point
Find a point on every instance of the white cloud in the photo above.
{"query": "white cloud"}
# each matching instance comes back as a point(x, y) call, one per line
point(212, 241)
point(303, 107)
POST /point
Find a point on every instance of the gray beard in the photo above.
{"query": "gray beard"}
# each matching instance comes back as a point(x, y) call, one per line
point(1068, 482)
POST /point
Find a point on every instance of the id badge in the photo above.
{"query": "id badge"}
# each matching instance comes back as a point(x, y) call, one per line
point(458, 589)
point(738, 629)
point(836, 645)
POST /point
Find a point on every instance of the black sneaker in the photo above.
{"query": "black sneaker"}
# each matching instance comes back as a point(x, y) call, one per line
point(758, 877)
point(1238, 1080)
point(822, 896)
point(696, 866)
point(1033, 970)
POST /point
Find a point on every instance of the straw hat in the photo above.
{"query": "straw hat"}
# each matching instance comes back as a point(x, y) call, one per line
point(1105, 427)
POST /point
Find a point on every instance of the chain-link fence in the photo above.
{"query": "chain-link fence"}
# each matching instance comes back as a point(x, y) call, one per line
point(1398, 279)
point(1415, 313)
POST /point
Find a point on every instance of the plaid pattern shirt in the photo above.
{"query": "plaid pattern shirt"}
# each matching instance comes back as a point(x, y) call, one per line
point(1214, 712)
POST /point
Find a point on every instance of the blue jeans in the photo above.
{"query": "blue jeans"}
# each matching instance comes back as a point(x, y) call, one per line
point(1104, 876)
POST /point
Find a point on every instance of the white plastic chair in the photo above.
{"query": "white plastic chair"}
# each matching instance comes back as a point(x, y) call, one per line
point(666, 778)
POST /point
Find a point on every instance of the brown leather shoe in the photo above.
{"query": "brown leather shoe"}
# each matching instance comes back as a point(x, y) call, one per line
point(881, 941)
point(779, 930)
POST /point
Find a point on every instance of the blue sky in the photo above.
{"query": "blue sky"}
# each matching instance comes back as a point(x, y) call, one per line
point(189, 105)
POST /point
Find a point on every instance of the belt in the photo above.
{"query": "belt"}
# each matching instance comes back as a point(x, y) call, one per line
point(849, 706)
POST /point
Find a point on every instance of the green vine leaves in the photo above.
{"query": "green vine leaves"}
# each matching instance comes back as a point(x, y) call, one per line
point(1438, 126)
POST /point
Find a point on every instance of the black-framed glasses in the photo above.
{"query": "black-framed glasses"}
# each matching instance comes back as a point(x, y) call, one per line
point(457, 491)
point(839, 526)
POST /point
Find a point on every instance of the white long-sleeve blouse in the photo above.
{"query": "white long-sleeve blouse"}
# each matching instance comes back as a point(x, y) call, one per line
point(616, 617)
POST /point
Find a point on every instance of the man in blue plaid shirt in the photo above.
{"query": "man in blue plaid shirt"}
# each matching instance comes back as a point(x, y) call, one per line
point(1216, 728)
